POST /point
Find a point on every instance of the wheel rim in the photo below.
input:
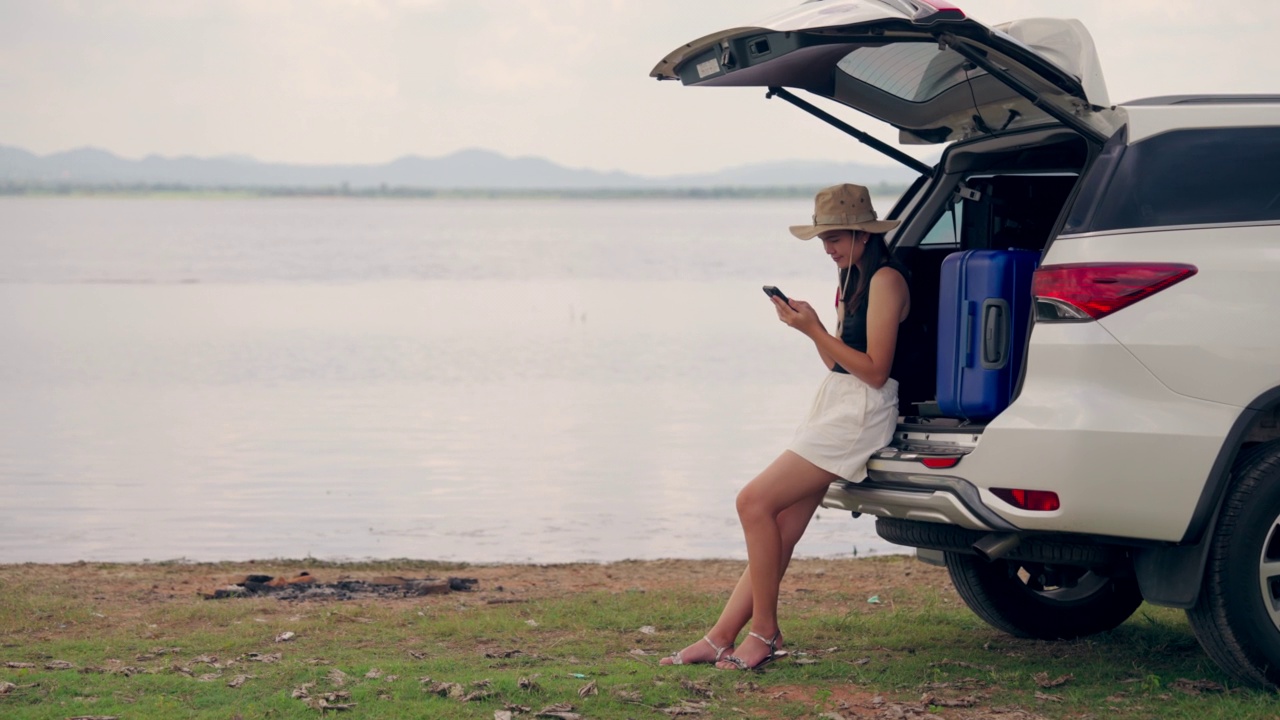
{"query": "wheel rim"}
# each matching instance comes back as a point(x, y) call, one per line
point(1085, 586)
point(1269, 572)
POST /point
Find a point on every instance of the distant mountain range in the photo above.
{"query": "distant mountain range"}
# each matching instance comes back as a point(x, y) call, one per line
point(464, 170)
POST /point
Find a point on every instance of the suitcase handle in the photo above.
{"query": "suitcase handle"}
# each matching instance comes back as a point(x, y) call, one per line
point(967, 334)
point(995, 334)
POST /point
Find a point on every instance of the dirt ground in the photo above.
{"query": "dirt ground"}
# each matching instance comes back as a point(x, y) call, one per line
point(157, 582)
point(534, 581)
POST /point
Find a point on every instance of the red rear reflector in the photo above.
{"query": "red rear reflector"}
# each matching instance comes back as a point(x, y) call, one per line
point(938, 463)
point(1039, 500)
point(1084, 291)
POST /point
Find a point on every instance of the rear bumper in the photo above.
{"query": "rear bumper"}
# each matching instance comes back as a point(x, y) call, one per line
point(906, 495)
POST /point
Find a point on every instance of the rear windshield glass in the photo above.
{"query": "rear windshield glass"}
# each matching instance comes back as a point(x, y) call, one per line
point(1195, 177)
point(917, 72)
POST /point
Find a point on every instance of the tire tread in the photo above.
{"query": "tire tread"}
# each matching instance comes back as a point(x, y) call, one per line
point(1209, 618)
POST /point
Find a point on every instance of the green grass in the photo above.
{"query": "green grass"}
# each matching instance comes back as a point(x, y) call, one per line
point(920, 647)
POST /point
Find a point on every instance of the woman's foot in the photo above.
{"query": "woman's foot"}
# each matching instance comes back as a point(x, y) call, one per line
point(703, 651)
point(754, 653)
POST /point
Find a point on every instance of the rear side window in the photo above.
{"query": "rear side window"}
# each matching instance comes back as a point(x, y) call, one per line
point(1194, 177)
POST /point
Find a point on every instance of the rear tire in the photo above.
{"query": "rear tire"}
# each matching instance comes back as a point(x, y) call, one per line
point(1047, 602)
point(1237, 616)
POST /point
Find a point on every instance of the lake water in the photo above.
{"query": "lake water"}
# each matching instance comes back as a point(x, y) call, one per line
point(472, 380)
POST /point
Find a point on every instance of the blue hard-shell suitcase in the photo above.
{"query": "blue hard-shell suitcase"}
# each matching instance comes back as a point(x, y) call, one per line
point(984, 313)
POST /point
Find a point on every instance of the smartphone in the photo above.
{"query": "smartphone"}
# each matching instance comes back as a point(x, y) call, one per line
point(772, 291)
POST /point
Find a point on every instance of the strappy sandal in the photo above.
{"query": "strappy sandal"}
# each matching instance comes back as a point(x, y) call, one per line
point(678, 659)
point(774, 652)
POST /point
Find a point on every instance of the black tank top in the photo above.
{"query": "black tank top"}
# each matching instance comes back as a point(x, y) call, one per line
point(854, 332)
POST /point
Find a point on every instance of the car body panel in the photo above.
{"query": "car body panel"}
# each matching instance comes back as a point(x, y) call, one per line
point(1231, 304)
point(1127, 456)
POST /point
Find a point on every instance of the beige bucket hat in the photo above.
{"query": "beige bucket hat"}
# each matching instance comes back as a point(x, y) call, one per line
point(843, 207)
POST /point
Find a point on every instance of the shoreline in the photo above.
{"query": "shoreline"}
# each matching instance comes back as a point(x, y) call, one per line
point(176, 579)
point(384, 563)
point(377, 563)
point(162, 192)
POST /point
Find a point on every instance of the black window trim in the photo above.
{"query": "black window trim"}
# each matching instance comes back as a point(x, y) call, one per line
point(1099, 187)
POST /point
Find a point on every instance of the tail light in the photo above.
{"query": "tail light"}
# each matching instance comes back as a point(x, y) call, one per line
point(1089, 291)
point(1038, 500)
point(940, 462)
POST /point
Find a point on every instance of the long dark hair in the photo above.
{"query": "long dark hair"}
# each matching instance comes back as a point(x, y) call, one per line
point(876, 255)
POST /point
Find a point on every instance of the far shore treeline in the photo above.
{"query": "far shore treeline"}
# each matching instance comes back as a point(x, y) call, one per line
point(473, 173)
point(11, 189)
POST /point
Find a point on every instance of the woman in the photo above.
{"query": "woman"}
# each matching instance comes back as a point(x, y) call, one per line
point(854, 415)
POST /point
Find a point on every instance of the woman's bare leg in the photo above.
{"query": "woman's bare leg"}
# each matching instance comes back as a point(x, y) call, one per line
point(790, 483)
point(737, 612)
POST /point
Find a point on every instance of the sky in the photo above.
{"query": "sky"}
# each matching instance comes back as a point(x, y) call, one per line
point(367, 81)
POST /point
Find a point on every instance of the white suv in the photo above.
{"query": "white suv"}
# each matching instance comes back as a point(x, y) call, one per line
point(1139, 455)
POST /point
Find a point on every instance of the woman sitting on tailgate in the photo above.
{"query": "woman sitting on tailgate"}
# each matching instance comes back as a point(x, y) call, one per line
point(855, 414)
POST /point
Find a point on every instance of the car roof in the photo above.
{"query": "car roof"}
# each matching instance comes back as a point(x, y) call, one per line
point(1153, 116)
point(1205, 100)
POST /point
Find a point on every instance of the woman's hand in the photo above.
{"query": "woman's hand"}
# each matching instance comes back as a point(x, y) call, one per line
point(799, 315)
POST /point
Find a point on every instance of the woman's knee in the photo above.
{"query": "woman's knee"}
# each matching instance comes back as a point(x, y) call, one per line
point(751, 503)
point(745, 500)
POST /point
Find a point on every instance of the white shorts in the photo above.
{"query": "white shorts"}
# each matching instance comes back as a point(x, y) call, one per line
point(848, 422)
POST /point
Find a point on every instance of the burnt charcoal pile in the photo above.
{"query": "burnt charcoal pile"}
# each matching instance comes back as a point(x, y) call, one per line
point(305, 586)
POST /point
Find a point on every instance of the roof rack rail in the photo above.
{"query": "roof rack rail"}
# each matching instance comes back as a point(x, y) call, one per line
point(1206, 100)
